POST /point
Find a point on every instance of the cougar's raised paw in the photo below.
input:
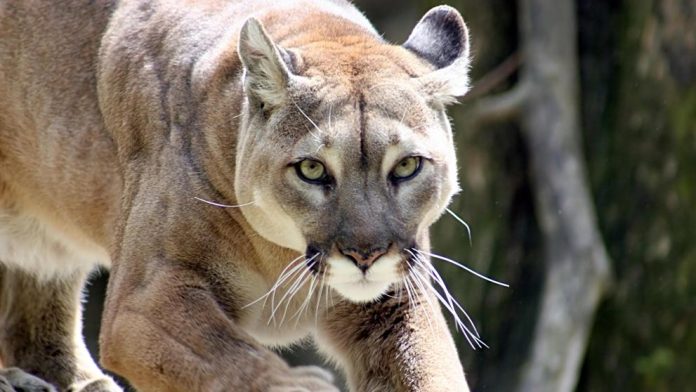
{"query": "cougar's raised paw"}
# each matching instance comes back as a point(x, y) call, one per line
point(14, 379)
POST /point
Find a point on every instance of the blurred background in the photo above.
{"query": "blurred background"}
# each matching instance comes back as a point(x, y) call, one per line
point(577, 161)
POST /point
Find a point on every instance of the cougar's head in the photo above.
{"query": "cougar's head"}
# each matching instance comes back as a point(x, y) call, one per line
point(345, 148)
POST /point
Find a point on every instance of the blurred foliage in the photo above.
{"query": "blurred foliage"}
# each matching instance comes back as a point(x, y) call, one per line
point(641, 151)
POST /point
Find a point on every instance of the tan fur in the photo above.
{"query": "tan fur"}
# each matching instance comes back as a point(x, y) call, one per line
point(117, 123)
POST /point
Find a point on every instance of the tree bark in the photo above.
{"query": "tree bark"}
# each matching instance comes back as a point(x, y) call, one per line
point(577, 263)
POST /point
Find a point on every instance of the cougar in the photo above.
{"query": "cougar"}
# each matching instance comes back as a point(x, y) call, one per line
point(251, 172)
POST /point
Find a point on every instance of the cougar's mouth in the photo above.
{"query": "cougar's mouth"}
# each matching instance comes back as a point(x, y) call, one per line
point(363, 284)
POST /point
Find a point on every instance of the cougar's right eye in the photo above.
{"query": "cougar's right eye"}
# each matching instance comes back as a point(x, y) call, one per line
point(311, 171)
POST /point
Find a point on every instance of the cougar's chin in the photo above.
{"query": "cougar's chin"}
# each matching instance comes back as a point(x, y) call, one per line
point(358, 286)
point(362, 291)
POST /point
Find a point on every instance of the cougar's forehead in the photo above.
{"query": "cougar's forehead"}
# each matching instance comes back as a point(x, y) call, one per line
point(365, 91)
point(359, 63)
point(371, 125)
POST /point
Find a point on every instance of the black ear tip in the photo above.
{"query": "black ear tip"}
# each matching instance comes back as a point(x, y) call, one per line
point(440, 37)
point(442, 11)
point(451, 23)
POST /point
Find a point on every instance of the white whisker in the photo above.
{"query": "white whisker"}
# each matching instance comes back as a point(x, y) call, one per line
point(321, 291)
point(274, 307)
point(212, 203)
point(473, 338)
point(421, 283)
point(299, 284)
point(462, 221)
point(462, 267)
point(289, 276)
point(405, 280)
point(277, 283)
point(425, 265)
point(298, 314)
point(458, 322)
point(296, 275)
point(452, 302)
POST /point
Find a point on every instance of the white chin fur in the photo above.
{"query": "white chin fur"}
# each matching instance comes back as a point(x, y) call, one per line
point(349, 281)
point(361, 291)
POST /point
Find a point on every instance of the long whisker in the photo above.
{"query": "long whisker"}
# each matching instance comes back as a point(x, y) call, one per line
point(292, 274)
point(274, 308)
point(419, 281)
point(428, 267)
point(281, 278)
point(212, 203)
point(418, 259)
point(452, 302)
point(462, 267)
point(462, 221)
point(299, 283)
point(470, 336)
point(298, 314)
point(296, 275)
point(409, 295)
point(321, 290)
point(401, 290)
point(288, 292)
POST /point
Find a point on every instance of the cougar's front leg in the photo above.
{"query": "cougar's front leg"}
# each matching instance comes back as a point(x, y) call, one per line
point(396, 344)
point(166, 329)
point(40, 333)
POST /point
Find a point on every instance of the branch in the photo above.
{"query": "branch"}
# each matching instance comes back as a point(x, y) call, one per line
point(495, 77)
point(501, 107)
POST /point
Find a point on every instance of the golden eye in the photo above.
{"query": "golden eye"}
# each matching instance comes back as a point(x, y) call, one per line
point(311, 170)
point(406, 168)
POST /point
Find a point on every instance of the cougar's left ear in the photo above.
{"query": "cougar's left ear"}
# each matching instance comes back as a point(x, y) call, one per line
point(268, 67)
point(442, 38)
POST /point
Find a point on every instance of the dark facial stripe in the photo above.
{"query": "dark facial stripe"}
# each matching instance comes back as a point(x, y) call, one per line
point(363, 127)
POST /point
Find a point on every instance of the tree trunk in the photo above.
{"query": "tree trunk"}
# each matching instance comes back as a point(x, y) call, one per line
point(577, 269)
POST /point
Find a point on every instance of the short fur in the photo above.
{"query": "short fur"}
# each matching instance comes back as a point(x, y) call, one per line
point(161, 138)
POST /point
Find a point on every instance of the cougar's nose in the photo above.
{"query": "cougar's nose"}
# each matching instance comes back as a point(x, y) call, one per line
point(364, 258)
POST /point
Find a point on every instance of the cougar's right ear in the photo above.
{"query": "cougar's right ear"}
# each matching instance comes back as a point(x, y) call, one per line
point(268, 67)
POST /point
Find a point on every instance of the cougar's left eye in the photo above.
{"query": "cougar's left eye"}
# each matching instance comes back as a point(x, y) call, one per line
point(311, 171)
point(406, 169)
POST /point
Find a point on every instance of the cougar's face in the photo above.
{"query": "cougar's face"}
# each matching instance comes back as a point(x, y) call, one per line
point(345, 149)
point(352, 183)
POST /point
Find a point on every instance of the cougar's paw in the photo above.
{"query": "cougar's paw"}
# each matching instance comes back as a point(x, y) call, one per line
point(306, 379)
point(5, 385)
point(99, 385)
point(14, 379)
